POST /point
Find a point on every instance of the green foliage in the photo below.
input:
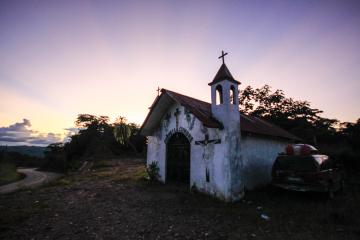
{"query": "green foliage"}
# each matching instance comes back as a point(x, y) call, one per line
point(127, 135)
point(96, 137)
point(8, 171)
point(123, 130)
point(152, 171)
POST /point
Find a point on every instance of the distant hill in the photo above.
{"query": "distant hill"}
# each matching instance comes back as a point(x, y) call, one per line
point(34, 151)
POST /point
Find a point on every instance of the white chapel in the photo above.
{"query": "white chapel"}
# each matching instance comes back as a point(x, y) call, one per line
point(212, 146)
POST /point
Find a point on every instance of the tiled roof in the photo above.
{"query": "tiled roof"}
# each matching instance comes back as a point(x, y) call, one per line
point(222, 74)
point(256, 125)
point(202, 111)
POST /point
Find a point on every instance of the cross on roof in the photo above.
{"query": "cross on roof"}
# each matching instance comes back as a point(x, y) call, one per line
point(158, 90)
point(223, 56)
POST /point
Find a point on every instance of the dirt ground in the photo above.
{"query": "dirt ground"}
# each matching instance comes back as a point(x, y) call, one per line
point(117, 203)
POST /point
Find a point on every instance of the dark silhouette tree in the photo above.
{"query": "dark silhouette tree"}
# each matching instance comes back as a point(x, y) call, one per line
point(55, 158)
point(98, 137)
point(351, 132)
point(295, 116)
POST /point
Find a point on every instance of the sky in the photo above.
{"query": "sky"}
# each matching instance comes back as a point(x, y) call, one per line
point(62, 58)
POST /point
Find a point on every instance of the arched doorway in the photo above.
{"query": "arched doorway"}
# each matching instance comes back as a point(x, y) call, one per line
point(178, 159)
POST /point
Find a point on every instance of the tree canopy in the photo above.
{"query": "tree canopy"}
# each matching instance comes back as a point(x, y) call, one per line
point(123, 130)
point(96, 136)
point(295, 116)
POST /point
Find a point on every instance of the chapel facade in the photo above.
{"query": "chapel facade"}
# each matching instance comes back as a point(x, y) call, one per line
point(212, 146)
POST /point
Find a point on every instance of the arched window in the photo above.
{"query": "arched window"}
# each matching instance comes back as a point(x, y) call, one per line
point(232, 95)
point(219, 95)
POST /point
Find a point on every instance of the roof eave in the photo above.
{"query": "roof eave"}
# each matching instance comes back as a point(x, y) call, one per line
point(271, 136)
point(144, 129)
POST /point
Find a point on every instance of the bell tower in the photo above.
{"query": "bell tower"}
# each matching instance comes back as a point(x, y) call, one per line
point(224, 95)
point(225, 108)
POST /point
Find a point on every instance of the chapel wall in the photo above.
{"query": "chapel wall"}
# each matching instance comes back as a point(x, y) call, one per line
point(259, 154)
point(212, 157)
point(199, 161)
point(155, 149)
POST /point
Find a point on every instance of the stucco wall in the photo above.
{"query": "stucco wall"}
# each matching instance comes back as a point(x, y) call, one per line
point(202, 157)
point(228, 160)
point(259, 155)
point(230, 166)
point(157, 146)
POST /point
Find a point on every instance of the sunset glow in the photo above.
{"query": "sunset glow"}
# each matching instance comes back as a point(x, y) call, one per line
point(62, 58)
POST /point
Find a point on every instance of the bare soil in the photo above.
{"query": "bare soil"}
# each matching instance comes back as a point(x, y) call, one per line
point(115, 202)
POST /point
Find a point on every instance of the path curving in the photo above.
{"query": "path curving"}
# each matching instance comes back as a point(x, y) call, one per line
point(33, 178)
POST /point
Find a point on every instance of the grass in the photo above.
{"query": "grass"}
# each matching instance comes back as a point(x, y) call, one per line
point(100, 164)
point(118, 173)
point(63, 181)
point(103, 170)
point(8, 173)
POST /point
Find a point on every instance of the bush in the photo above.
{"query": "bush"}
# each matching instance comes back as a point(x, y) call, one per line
point(8, 172)
point(152, 171)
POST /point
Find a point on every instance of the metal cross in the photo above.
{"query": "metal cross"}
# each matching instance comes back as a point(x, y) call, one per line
point(158, 91)
point(223, 56)
point(177, 114)
point(206, 141)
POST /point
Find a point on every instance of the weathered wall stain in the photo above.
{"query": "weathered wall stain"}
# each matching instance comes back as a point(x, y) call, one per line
point(237, 163)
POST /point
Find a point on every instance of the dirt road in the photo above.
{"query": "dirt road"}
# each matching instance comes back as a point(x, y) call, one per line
point(115, 203)
point(32, 178)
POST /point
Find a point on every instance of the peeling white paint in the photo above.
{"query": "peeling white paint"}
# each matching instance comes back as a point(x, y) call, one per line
point(259, 154)
point(238, 162)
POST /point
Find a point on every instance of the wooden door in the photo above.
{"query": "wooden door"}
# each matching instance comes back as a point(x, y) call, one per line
point(178, 159)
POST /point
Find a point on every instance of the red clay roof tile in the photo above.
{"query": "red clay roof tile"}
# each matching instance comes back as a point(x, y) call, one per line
point(202, 111)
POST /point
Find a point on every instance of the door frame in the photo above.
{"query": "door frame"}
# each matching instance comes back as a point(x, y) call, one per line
point(189, 139)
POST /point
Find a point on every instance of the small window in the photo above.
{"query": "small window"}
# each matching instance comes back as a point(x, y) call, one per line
point(232, 95)
point(219, 95)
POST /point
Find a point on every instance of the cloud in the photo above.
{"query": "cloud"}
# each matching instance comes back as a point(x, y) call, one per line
point(70, 132)
point(20, 134)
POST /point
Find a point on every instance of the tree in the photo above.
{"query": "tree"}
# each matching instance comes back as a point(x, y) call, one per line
point(351, 132)
point(55, 158)
point(297, 117)
point(95, 137)
point(123, 131)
